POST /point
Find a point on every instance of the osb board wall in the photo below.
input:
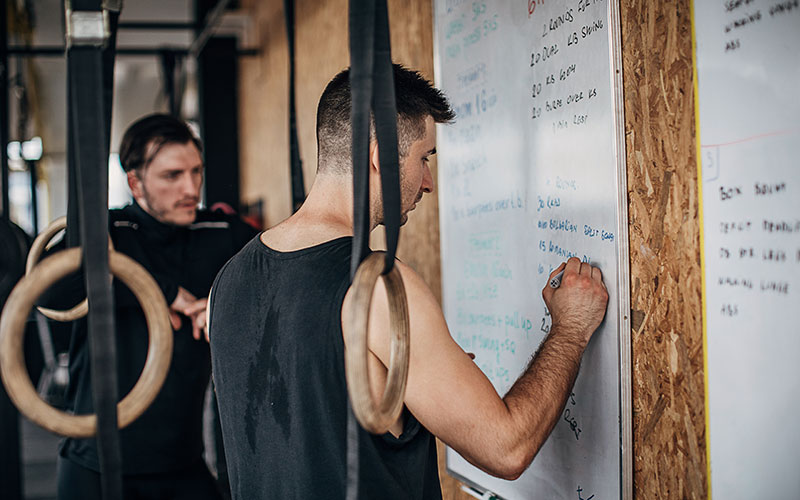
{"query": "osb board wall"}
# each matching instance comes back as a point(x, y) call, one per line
point(668, 404)
point(321, 51)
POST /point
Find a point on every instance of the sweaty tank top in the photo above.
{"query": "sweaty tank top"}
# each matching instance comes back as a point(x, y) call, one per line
point(278, 366)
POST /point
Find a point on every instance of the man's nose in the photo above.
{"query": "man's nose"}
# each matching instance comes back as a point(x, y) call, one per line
point(190, 186)
point(427, 181)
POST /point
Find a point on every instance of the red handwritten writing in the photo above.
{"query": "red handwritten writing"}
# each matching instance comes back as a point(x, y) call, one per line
point(532, 6)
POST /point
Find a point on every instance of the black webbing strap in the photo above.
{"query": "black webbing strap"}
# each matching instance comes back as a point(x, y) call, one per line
point(89, 119)
point(372, 87)
point(372, 84)
point(295, 162)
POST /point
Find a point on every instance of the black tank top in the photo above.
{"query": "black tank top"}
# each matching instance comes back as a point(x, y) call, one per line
point(278, 365)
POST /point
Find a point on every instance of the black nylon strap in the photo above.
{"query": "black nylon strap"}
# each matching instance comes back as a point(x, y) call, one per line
point(85, 68)
point(371, 86)
point(372, 83)
point(385, 110)
point(362, 45)
point(90, 71)
point(362, 35)
point(296, 163)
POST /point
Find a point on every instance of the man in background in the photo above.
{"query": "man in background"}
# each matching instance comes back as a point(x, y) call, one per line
point(182, 247)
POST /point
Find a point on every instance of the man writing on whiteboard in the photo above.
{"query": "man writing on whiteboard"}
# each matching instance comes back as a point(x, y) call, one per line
point(277, 345)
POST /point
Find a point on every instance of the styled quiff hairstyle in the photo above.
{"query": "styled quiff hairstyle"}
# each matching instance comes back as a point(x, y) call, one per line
point(147, 135)
point(415, 98)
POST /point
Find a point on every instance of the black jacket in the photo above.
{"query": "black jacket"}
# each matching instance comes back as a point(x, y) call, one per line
point(168, 436)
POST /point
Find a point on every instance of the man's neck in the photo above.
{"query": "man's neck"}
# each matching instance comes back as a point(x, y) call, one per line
point(330, 201)
point(326, 214)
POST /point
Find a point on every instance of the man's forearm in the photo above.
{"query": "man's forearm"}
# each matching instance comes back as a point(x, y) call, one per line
point(536, 399)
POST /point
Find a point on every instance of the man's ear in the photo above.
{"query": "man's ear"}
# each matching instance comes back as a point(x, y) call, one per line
point(374, 157)
point(135, 184)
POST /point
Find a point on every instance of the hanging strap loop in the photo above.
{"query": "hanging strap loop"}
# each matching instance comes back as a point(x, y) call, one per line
point(372, 88)
point(376, 419)
point(90, 64)
point(12, 331)
point(40, 244)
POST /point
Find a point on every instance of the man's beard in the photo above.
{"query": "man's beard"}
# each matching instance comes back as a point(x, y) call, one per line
point(162, 214)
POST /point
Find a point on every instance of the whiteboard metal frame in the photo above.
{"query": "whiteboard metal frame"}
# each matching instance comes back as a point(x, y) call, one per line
point(623, 255)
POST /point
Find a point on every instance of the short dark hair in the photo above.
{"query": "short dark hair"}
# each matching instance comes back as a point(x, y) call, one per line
point(147, 135)
point(416, 98)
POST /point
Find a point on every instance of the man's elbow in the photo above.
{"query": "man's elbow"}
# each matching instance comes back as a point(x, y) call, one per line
point(512, 464)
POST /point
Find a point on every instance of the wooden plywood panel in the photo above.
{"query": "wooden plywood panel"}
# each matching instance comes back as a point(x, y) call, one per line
point(321, 52)
point(412, 45)
point(264, 115)
point(668, 415)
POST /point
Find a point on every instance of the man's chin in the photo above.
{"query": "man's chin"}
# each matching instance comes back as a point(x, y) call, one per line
point(403, 220)
point(184, 219)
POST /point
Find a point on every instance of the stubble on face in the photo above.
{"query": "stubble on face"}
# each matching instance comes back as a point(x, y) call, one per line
point(169, 187)
point(413, 171)
point(181, 213)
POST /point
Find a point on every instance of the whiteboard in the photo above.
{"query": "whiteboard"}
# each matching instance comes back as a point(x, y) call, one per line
point(530, 174)
point(748, 76)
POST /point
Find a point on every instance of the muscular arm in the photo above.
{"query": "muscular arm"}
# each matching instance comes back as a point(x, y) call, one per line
point(453, 399)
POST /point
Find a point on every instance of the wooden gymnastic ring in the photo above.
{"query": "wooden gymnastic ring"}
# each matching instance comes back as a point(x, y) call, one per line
point(376, 420)
point(12, 330)
point(38, 247)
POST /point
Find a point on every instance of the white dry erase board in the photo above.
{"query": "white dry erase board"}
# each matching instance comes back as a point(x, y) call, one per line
point(748, 102)
point(531, 173)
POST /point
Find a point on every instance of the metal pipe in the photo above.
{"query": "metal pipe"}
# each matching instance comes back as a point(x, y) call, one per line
point(149, 25)
point(60, 51)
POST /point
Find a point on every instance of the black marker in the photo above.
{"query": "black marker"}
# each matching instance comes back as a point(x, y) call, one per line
point(555, 281)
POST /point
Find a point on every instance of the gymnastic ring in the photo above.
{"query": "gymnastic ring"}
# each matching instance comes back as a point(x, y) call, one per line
point(376, 420)
point(37, 248)
point(12, 330)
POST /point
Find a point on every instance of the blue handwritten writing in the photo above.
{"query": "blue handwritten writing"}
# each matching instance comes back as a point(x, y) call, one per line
point(565, 225)
point(547, 202)
point(592, 232)
point(484, 243)
point(471, 75)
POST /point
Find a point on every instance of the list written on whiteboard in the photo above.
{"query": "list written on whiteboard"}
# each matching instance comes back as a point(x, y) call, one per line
point(755, 255)
point(489, 212)
point(556, 97)
point(742, 15)
point(562, 100)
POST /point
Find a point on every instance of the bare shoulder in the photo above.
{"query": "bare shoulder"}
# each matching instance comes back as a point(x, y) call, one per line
point(420, 298)
point(425, 315)
point(417, 290)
